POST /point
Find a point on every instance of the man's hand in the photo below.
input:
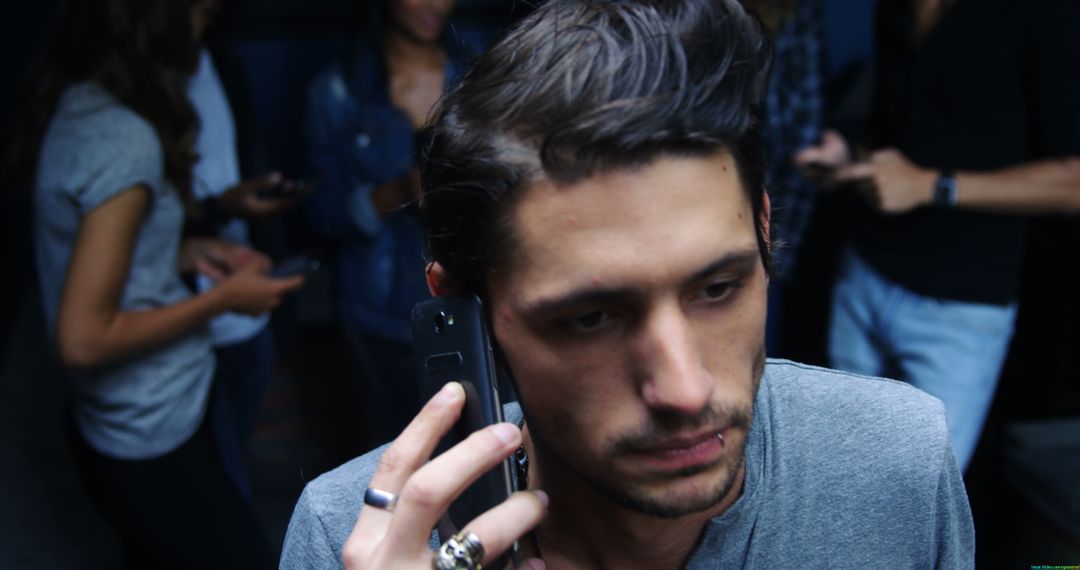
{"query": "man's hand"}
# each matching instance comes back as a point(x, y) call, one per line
point(399, 539)
point(217, 259)
point(244, 199)
point(819, 160)
point(890, 182)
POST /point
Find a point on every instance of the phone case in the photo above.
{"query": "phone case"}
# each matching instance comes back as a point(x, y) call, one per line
point(452, 345)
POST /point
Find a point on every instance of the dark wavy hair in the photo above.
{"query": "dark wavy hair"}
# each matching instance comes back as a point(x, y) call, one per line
point(142, 52)
point(581, 87)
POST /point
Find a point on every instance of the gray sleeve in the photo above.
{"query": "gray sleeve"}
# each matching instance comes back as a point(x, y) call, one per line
point(307, 545)
point(123, 153)
point(954, 535)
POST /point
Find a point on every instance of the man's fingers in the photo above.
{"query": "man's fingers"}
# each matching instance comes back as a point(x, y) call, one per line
point(429, 491)
point(502, 525)
point(412, 449)
point(855, 172)
point(406, 454)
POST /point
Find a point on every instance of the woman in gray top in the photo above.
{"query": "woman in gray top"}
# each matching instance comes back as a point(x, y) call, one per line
point(110, 137)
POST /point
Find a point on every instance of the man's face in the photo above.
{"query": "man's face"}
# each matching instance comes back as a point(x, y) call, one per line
point(632, 314)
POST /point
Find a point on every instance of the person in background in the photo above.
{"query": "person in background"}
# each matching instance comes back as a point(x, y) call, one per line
point(244, 345)
point(111, 139)
point(362, 122)
point(791, 121)
point(975, 124)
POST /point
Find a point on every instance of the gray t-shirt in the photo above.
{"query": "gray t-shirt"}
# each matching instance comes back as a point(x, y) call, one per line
point(94, 149)
point(842, 471)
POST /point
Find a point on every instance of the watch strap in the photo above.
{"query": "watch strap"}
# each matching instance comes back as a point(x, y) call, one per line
point(946, 189)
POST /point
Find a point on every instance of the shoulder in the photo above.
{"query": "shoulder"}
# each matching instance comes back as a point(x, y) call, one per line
point(820, 390)
point(96, 147)
point(850, 459)
point(326, 513)
point(817, 414)
point(86, 111)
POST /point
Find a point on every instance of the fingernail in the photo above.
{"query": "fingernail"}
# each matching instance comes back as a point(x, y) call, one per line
point(450, 392)
point(542, 496)
point(508, 433)
point(536, 564)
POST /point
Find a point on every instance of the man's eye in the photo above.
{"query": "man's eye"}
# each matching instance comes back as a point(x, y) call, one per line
point(589, 321)
point(718, 291)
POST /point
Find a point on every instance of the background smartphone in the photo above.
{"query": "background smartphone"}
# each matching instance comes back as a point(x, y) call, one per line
point(282, 190)
point(295, 265)
point(452, 345)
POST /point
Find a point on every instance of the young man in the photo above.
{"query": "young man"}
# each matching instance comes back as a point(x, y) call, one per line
point(596, 179)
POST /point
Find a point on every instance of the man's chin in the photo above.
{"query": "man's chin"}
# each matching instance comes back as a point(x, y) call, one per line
point(684, 492)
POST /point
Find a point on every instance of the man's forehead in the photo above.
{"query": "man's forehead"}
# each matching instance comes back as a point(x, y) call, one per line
point(613, 222)
point(596, 195)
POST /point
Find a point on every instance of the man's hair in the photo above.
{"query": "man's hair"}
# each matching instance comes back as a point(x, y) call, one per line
point(585, 87)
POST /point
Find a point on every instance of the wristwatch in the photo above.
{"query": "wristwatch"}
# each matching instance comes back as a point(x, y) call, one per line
point(946, 189)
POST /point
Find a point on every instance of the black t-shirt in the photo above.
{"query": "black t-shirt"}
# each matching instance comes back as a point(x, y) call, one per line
point(996, 83)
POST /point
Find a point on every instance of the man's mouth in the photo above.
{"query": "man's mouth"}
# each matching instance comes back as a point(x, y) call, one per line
point(683, 452)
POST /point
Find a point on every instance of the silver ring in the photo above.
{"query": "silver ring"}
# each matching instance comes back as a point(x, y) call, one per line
point(380, 499)
point(461, 552)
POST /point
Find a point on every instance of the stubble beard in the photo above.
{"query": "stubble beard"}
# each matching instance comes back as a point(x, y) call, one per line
point(638, 497)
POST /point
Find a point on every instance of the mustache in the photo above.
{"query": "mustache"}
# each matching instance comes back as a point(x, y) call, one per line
point(663, 426)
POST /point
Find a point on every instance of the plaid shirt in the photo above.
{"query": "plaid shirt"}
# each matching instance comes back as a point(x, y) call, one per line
point(792, 121)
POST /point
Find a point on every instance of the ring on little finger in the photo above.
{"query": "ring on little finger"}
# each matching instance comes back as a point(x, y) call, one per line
point(462, 552)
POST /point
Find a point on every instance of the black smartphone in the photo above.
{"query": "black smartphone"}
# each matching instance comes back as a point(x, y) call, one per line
point(295, 265)
point(282, 190)
point(452, 344)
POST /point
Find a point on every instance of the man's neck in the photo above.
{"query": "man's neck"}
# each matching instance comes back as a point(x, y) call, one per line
point(585, 529)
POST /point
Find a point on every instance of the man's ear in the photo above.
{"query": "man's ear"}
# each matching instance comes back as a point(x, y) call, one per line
point(438, 281)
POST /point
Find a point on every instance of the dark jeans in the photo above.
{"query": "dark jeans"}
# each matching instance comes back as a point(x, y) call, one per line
point(179, 510)
point(388, 379)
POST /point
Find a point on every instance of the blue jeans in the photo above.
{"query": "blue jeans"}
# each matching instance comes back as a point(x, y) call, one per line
point(950, 349)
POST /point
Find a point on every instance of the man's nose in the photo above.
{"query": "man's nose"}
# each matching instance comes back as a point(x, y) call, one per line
point(674, 376)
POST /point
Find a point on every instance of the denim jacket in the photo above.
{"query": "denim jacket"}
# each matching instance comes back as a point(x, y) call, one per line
point(357, 140)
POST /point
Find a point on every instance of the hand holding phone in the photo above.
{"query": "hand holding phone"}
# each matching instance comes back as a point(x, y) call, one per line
point(424, 483)
point(452, 345)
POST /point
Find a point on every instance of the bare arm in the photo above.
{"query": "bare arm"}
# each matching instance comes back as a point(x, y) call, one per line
point(898, 185)
point(92, 330)
point(1046, 186)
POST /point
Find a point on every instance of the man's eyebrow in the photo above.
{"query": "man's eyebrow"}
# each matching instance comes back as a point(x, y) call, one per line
point(735, 260)
point(588, 295)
